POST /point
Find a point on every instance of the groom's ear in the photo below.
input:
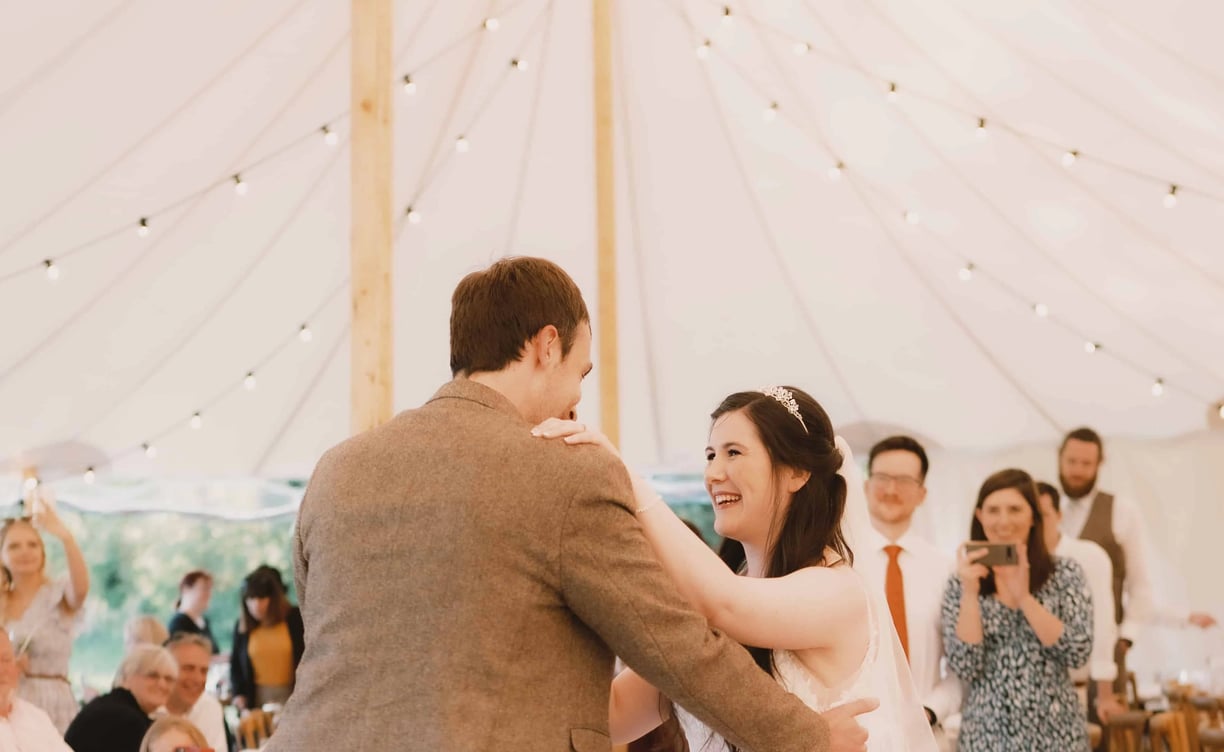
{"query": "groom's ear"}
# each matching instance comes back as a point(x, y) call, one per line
point(544, 346)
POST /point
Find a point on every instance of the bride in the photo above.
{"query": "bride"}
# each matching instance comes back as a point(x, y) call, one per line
point(786, 589)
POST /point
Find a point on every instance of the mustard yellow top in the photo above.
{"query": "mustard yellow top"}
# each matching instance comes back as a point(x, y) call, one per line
point(271, 653)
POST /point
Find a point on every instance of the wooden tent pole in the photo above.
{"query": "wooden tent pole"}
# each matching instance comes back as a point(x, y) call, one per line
point(605, 212)
point(371, 212)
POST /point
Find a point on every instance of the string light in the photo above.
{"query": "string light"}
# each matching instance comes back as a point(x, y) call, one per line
point(1220, 412)
point(835, 172)
point(1158, 388)
point(90, 476)
point(1091, 347)
point(142, 229)
point(249, 381)
point(912, 217)
point(966, 272)
point(518, 64)
point(770, 113)
point(30, 483)
point(240, 186)
point(414, 216)
point(304, 334)
point(409, 85)
point(53, 272)
point(491, 24)
point(726, 15)
point(1069, 157)
point(981, 128)
point(149, 450)
point(801, 48)
point(330, 137)
point(197, 421)
point(461, 145)
point(1170, 199)
point(1041, 309)
point(893, 95)
point(703, 50)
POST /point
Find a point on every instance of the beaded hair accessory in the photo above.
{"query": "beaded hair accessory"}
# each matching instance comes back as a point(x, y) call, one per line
point(786, 399)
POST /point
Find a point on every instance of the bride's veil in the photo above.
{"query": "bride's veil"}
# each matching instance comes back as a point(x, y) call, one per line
point(900, 706)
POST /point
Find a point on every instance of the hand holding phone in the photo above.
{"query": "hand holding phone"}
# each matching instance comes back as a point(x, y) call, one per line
point(997, 554)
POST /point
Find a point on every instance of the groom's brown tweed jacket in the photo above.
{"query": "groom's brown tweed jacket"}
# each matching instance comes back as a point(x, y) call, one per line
point(465, 587)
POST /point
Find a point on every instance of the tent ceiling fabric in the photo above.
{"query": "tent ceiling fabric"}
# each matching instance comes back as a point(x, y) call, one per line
point(742, 262)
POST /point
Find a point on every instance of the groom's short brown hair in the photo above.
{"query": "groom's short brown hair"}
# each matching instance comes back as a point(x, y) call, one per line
point(495, 311)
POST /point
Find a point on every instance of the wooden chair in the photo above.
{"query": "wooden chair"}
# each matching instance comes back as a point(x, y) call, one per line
point(1211, 736)
point(1168, 732)
point(1094, 735)
point(254, 728)
point(1125, 731)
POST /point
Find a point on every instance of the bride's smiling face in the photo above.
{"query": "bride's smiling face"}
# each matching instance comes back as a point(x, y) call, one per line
point(740, 478)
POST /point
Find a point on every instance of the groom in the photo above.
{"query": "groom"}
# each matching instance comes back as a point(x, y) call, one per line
point(466, 587)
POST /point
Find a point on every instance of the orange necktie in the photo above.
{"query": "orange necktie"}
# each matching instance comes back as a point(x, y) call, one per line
point(894, 591)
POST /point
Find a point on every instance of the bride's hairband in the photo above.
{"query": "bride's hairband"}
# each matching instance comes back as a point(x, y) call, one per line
point(786, 398)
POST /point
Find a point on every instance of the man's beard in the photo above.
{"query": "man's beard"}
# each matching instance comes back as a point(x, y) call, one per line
point(1077, 492)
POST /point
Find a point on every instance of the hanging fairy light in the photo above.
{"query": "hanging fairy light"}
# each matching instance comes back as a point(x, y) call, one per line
point(801, 48)
point(726, 15)
point(980, 131)
point(966, 272)
point(249, 382)
point(518, 64)
point(53, 272)
point(30, 483)
point(1091, 347)
point(491, 24)
point(703, 50)
point(149, 450)
point(304, 334)
point(197, 421)
point(240, 186)
point(142, 228)
point(1170, 199)
point(1158, 388)
point(414, 216)
point(835, 172)
point(770, 113)
point(330, 137)
point(1069, 157)
point(410, 86)
point(90, 476)
point(1042, 310)
point(912, 217)
point(1220, 412)
point(462, 145)
point(893, 94)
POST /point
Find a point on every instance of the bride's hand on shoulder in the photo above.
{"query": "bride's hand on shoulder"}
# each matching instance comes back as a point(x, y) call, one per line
point(573, 432)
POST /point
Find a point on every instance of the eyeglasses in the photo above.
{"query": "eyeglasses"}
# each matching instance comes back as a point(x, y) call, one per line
point(904, 482)
point(155, 676)
point(193, 749)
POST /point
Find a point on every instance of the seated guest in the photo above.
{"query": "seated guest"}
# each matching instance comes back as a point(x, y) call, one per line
point(143, 630)
point(22, 725)
point(187, 699)
point(268, 641)
point(173, 734)
point(1012, 632)
point(195, 592)
point(117, 721)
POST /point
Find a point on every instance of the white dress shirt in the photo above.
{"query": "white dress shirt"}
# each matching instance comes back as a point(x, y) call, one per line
point(29, 729)
point(924, 573)
point(1139, 606)
point(1098, 569)
point(209, 718)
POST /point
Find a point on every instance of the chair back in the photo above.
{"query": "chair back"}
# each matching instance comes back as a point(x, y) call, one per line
point(1168, 732)
point(254, 728)
point(1124, 731)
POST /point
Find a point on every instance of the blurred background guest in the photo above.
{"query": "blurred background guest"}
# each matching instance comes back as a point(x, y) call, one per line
point(22, 725)
point(117, 721)
point(268, 641)
point(172, 734)
point(143, 630)
point(195, 592)
point(192, 653)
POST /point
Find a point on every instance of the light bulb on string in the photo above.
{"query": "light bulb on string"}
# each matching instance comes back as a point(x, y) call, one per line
point(491, 24)
point(726, 15)
point(1042, 310)
point(1091, 347)
point(1170, 199)
point(142, 228)
point(703, 50)
point(518, 64)
point(240, 185)
point(53, 272)
point(912, 217)
point(980, 131)
point(801, 48)
point(90, 476)
point(462, 145)
point(410, 86)
point(835, 172)
point(330, 137)
point(304, 334)
point(30, 483)
point(414, 216)
point(149, 450)
point(197, 421)
point(966, 272)
point(770, 113)
point(249, 382)
point(1069, 157)
point(893, 94)
point(1158, 388)
point(1220, 411)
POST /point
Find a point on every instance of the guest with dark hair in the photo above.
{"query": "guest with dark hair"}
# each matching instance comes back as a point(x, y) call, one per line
point(195, 592)
point(268, 641)
point(1012, 632)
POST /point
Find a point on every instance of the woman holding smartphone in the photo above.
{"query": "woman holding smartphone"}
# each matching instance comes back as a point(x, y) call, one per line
point(1012, 632)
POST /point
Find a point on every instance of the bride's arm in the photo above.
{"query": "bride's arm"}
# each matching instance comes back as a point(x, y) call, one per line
point(635, 707)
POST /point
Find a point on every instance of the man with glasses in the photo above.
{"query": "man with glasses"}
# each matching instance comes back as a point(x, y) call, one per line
point(909, 570)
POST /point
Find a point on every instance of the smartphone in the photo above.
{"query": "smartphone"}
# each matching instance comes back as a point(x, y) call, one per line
point(997, 554)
